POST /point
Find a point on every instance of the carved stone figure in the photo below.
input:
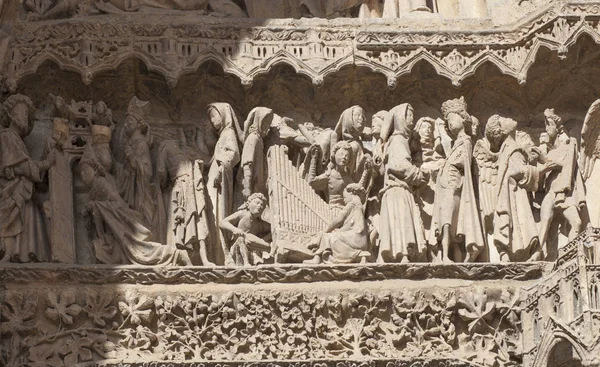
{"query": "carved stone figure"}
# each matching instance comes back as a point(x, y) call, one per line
point(23, 235)
point(224, 160)
point(181, 172)
point(136, 175)
point(350, 128)
point(373, 206)
point(564, 191)
point(55, 9)
point(333, 182)
point(401, 233)
point(250, 231)
point(119, 237)
point(346, 238)
point(252, 174)
point(515, 230)
point(455, 219)
point(589, 156)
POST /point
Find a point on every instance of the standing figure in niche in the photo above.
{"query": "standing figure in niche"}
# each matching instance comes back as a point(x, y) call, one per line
point(23, 236)
point(565, 193)
point(346, 239)
point(181, 171)
point(252, 174)
point(136, 176)
point(515, 230)
point(251, 232)
point(338, 176)
point(220, 174)
point(426, 157)
point(401, 234)
point(119, 237)
point(373, 207)
point(455, 218)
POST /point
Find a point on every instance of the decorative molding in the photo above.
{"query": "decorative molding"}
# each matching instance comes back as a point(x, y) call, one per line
point(316, 49)
point(129, 274)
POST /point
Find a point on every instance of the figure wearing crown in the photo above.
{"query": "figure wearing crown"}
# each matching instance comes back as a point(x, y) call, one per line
point(455, 222)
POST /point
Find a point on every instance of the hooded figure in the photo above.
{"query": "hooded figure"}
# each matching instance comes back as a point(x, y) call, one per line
point(350, 128)
point(252, 175)
point(402, 237)
point(224, 160)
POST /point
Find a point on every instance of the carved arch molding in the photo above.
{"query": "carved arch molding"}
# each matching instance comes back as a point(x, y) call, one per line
point(313, 47)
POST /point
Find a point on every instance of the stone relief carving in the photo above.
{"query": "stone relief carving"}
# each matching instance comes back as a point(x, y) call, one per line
point(163, 205)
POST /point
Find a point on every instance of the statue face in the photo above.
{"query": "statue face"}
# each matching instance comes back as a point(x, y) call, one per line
point(130, 125)
point(87, 174)
point(342, 157)
point(358, 117)
point(256, 207)
point(455, 124)
point(426, 134)
point(376, 126)
point(101, 108)
point(215, 119)
point(410, 115)
point(20, 118)
point(189, 132)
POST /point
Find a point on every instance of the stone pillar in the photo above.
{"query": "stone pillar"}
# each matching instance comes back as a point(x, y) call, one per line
point(472, 8)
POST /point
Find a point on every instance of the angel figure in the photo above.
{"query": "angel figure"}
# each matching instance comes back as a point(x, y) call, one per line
point(251, 232)
point(455, 221)
point(564, 191)
point(588, 156)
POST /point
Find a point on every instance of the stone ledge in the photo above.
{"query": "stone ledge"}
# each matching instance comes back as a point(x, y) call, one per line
point(266, 274)
point(417, 362)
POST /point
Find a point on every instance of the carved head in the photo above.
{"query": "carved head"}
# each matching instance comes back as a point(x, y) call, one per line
point(341, 154)
point(398, 121)
point(554, 124)
point(256, 204)
point(497, 129)
point(60, 130)
point(424, 129)
point(101, 108)
point(455, 113)
point(259, 121)
point(222, 117)
point(90, 166)
point(351, 122)
point(18, 113)
point(376, 123)
point(136, 116)
point(354, 191)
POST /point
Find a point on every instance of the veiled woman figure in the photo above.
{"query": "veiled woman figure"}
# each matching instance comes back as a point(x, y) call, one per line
point(350, 128)
point(402, 237)
point(22, 230)
point(220, 173)
point(252, 175)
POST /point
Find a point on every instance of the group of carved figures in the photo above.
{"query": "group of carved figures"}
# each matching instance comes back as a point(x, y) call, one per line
point(398, 191)
point(53, 9)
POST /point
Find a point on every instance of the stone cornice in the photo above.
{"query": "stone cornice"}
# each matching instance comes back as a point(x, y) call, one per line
point(177, 45)
point(100, 274)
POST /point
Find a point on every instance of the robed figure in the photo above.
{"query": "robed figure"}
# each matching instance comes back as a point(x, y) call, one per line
point(23, 235)
point(402, 237)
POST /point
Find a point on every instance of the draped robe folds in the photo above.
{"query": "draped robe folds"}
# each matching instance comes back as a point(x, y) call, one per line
point(350, 241)
point(224, 160)
point(22, 229)
point(401, 229)
point(455, 201)
point(120, 237)
point(515, 230)
point(345, 130)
